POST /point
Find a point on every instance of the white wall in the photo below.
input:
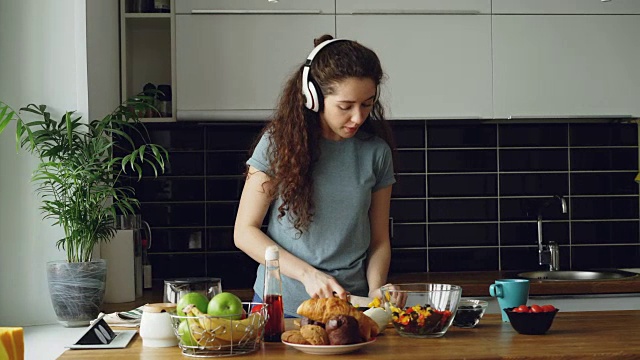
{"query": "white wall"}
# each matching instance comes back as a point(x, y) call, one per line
point(43, 46)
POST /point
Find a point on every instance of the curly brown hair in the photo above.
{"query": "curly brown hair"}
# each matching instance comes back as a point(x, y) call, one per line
point(295, 132)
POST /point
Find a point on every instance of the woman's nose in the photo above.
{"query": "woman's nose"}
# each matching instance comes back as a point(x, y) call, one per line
point(359, 116)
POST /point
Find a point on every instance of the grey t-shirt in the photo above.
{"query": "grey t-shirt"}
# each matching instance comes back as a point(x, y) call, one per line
point(338, 238)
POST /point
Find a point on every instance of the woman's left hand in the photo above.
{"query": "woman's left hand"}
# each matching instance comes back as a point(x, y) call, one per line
point(377, 293)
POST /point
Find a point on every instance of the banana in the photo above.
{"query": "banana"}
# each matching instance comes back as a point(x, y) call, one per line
point(232, 331)
point(201, 336)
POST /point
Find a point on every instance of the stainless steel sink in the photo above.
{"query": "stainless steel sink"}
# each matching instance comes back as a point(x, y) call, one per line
point(576, 275)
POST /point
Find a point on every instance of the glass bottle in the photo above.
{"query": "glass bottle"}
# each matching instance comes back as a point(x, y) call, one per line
point(272, 295)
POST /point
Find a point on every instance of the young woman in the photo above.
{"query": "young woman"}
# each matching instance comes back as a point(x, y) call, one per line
point(323, 170)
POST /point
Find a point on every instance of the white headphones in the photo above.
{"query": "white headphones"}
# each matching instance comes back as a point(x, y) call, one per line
point(310, 89)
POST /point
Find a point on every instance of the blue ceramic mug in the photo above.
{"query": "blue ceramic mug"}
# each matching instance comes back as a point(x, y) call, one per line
point(510, 293)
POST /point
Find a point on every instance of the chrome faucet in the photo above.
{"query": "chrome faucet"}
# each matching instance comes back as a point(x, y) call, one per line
point(549, 254)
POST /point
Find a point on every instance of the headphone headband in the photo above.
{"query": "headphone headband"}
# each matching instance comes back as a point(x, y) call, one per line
point(313, 97)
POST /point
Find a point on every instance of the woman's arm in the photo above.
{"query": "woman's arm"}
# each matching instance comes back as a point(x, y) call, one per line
point(248, 237)
point(380, 247)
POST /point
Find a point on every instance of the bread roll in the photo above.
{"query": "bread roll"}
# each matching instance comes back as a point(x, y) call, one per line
point(294, 337)
point(315, 335)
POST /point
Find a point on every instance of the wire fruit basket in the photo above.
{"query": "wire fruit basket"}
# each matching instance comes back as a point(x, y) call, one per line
point(217, 336)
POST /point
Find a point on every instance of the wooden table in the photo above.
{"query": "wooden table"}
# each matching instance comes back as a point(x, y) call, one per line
point(573, 335)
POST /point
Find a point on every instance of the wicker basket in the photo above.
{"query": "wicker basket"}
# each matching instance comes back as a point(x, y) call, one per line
point(211, 336)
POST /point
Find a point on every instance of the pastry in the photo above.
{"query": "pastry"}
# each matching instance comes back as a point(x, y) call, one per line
point(343, 330)
point(294, 337)
point(315, 335)
point(306, 321)
point(323, 309)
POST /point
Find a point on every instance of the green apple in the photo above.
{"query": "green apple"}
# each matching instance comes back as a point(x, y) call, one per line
point(185, 334)
point(225, 304)
point(195, 298)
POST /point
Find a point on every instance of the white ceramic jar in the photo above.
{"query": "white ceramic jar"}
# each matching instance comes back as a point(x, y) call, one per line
point(156, 329)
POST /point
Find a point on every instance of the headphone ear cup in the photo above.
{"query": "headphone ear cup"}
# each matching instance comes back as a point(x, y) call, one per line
point(306, 92)
point(315, 97)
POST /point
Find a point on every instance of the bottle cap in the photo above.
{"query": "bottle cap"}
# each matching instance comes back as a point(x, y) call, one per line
point(272, 253)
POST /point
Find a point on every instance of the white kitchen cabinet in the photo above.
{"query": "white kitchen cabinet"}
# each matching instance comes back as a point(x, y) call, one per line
point(413, 6)
point(566, 65)
point(147, 52)
point(437, 66)
point(566, 7)
point(232, 60)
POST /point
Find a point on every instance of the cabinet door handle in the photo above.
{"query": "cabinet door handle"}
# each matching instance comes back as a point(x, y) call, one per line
point(251, 12)
point(414, 12)
point(565, 117)
point(391, 227)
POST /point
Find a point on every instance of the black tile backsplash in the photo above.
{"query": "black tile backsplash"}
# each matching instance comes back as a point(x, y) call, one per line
point(462, 185)
point(534, 184)
point(466, 199)
point(467, 160)
point(467, 259)
point(472, 234)
point(533, 160)
point(410, 186)
point(604, 159)
point(533, 135)
point(470, 210)
point(526, 233)
point(462, 135)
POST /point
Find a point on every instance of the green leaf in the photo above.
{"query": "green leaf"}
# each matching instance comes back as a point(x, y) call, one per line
point(141, 151)
point(35, 111)
point(155, 170)
point(5, 120)
point(138, 170)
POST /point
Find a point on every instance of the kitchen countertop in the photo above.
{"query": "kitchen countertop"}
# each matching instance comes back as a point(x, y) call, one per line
point(573, 335)
point(474, 284)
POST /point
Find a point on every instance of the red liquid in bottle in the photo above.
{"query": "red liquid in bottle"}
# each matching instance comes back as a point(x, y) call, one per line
point(275, 323)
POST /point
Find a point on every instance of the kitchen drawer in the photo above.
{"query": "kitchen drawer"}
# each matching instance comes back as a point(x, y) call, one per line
point(255, 6)
point(413, 6)
point(566, 7)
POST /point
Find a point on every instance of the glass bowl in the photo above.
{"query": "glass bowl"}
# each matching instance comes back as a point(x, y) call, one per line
point(422, 310)
point(531, 323)
point(469, 313)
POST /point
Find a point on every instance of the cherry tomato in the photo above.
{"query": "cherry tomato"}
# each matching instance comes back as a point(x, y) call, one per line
point(536, 308)
point(548, 308)
point(522, 309)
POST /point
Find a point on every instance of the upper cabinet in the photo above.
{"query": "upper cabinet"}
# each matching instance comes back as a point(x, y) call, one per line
point(566, 65)
point(438, 65)
point(234, 56)
point(229, 59)
point(566, 7)
point(147, 51)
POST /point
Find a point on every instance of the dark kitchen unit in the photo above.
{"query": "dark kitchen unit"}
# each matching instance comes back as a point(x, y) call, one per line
point(467, 196)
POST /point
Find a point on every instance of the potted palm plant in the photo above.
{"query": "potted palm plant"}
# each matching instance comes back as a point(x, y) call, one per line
point(82, 179)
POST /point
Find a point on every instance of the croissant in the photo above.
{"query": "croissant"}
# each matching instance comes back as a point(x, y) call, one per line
point(323, 309)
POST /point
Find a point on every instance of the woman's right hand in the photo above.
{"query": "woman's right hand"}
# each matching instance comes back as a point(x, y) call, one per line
point(320, 285)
